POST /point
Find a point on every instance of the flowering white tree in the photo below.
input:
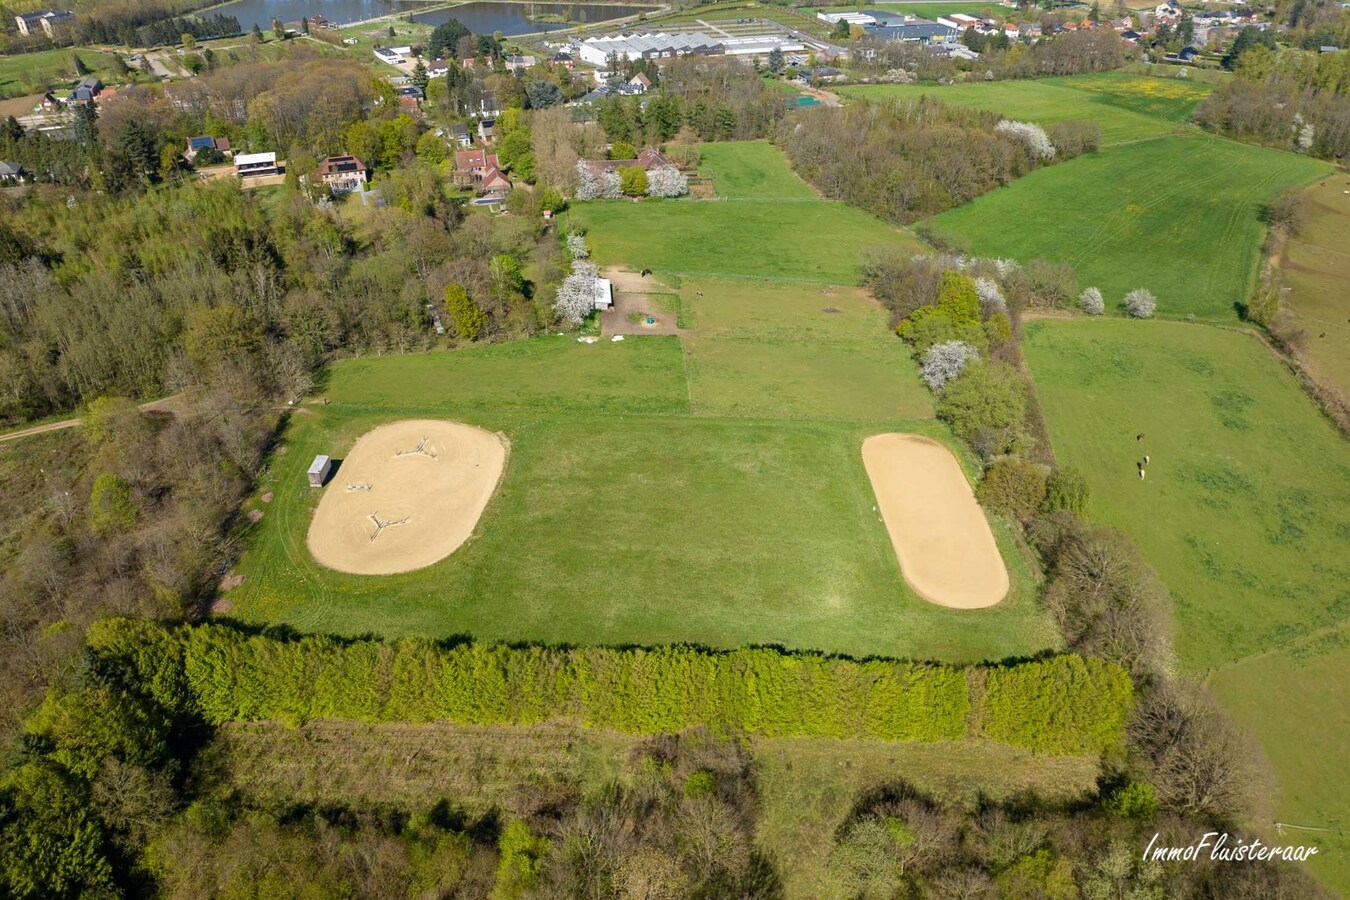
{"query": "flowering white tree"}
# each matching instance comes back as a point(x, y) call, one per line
point(1034, 136)
point(1304, 133)
point(1091, 302)
point(666, 181)
point(1140, 303)
point(991, 298)
point(576, 245)
point(592, 185)
point(943, 362)
point(576, 295)
point(1005, 267)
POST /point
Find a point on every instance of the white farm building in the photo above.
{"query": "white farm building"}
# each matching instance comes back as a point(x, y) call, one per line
point(660, 45)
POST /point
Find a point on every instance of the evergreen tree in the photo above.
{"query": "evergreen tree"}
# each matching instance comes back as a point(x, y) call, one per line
point(279, 30)
point(470, 321)
point(419, 75)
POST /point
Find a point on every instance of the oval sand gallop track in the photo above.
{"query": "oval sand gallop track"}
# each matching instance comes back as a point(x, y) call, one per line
point(406, 496)
point(941, 537)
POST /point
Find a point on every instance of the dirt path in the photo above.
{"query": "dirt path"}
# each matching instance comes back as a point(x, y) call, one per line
point(164, 404)
point(947, 552)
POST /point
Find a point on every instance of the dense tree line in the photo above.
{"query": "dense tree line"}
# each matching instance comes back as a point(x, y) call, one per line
point(1070, 53)
point(909, 159)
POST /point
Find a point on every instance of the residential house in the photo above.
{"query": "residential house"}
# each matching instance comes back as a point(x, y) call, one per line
point(85, 92)
point(1130, 37)
point(48, 21)
point(487, 129)
point(249, 165)
point(392, 55)
point(480, 169)
point(11, 173)
point(438, 68)
point(562, 58)
point(822, 74)
point(641, 81)
point(343, 174)
point(518, 64)
point(648, 159)
point(412, 90)
point(1167, 12)
point(196, 145)
point(461, 135)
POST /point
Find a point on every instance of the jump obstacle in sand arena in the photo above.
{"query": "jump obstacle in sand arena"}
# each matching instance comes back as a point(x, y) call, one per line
point(407, 495)
point(947, 552)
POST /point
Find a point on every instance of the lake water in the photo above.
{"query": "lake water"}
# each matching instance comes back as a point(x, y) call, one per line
point(514, 18)
point(480, 18)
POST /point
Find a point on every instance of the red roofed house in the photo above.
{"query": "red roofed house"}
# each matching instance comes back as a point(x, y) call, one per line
point(343, 174)
point(480, 169)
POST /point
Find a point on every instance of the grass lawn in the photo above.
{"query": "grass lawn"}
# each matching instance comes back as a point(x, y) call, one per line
point(754, 238)
point(764, 349)
point(757, 236)
point(752, 170)
point(1316, 265)
point(806, 786)
point(1297, 702)
point(1180, 216)
point(32, 73)
point(1245, 513)
point(1128, 107)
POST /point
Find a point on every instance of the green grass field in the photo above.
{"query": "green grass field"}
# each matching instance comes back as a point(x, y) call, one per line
point(1128, 107)
point(752, 170)
point(1180, 216)
point(32, 73)
point(756, 236)
point(1316, 265)
point(1245, 513)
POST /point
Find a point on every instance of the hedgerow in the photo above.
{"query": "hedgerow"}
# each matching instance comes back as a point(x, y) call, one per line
point(217, 673)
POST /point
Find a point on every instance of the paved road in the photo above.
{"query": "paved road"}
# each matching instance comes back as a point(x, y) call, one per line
point(164, 403)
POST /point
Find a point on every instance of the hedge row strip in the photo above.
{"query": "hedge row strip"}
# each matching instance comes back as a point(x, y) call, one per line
point(1063, 704)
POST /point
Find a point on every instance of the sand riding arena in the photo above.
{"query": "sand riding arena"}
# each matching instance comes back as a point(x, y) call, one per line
point(406, 496)
point(947, 552)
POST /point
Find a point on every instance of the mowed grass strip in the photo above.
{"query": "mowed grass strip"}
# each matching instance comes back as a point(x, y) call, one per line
point(1316, 265)
point(1180, 216)
point(630, 529)
point(751, 170)
point(796, 351)
point(1245, 510)
point(1297, 703)
point(555, 373)
point(1128, 107)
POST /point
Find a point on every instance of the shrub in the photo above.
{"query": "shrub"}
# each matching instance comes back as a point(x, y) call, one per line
point(1034, 136)
point(991, 298)
point(1068, 705)
point(1091, 301)
point(667, 181)
point(576, 245)
point(1014, 487)
point(955, 315)
point(633, 181)
point(111, 506)
point(1134, 800)
point(984, 404)
point(1074, 137)
point(943, 362)
point(1139, 303)
point(470, 321)
point(522, 854)
point(1067, 489)
point(1048, 283)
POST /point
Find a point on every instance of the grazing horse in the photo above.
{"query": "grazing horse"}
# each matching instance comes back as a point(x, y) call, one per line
point(645, 273)
point(1139, 437)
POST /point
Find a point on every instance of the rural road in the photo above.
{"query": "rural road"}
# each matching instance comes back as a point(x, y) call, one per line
point(164, 403)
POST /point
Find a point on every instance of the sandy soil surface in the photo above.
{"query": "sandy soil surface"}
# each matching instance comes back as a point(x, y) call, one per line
point(941, 537)
point(406, 496)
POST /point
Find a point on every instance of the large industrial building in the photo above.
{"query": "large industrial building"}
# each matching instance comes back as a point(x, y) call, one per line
point(598, 50)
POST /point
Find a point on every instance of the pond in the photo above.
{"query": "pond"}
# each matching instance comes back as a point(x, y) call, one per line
point(479, 17)
point(523, 18)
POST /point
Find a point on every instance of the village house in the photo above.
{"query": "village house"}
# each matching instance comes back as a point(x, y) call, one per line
point(85, 92)
point(11, 173)
point(251, 165)
point(562, 58)
point(48, 21)
point(438, 68)
point(480, 170)
point(343, 174)
point(518, 64)
point(648, 159)
point(487, 130)
point(196, 145)
point(461, 135)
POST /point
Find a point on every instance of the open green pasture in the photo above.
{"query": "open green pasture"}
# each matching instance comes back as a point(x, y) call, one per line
point(32, 73)
point(1245, 509)
point(1316, 265)
point(1128, 107)
point(756, 236)
point(1180, 216)
point(794, 351)
point(1244, 512)
point(744, 170)
point(1296, 701)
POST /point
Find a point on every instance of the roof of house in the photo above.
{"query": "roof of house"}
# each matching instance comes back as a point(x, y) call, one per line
point(475, 159)
point(336, 165)
point(459, 129)
point(494, 177)
point(255, 159)
point(59, 15)
point(647, 159)
point(205, 142)
point(10, 170)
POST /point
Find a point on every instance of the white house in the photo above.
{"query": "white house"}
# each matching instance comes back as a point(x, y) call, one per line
point(392, 55)
point(248, 164)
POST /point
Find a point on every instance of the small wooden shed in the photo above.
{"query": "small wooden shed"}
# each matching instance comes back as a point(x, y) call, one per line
point(318, 471)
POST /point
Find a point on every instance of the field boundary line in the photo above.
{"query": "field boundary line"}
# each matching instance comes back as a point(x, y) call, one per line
point(1293, 642)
